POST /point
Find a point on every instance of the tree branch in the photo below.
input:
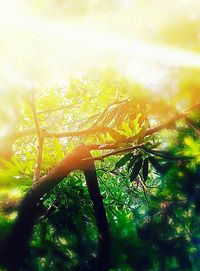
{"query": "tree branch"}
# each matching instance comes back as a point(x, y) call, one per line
point(14, 248)
point(93, 130)
point(40, 140)
point(67, 106)
point(103, 256)
point(164, 125)
point(32, 131)
point(39, 159)
point(129, 149)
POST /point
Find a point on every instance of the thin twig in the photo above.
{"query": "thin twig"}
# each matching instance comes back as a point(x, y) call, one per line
point(111, 193)
point(84, 132)
point(68, 106)
point(40, 140)
point(129, 149)
point(192, 124)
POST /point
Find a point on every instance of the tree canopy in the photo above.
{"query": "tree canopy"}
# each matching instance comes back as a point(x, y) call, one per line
point(100, 170)
point(139, 149)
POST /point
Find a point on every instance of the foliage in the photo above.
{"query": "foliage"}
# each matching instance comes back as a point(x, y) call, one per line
point(151, 194)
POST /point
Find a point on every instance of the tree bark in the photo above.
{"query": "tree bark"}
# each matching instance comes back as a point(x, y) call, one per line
point(103, 256)
point(14, 248)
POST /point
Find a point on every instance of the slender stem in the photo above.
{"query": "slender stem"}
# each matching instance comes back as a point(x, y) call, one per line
point(40, 140)
point(39, 159)
point(68, 106)
point(93, 130)
point(129, 149)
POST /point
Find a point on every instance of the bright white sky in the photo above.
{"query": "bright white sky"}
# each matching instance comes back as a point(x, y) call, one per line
point(37, 50)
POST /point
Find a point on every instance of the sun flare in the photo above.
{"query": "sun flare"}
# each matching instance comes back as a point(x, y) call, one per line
point(40, 50)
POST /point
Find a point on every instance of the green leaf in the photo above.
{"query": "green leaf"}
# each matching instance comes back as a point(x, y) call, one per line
point(134, 158)
point(123, 160)
point(141, 134)
point(116, 135)
point(145, 169)
point(135, 170)
point(126, 128)
point(156, 165)
point(167, 155)
point(155, 145)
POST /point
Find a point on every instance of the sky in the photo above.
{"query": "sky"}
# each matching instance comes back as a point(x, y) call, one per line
point(43, 43)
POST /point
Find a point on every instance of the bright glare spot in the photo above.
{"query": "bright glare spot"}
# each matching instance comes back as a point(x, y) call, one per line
point(37, 50)
point(4, 131)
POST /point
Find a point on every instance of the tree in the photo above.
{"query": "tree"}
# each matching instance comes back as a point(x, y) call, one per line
point(145, 213)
